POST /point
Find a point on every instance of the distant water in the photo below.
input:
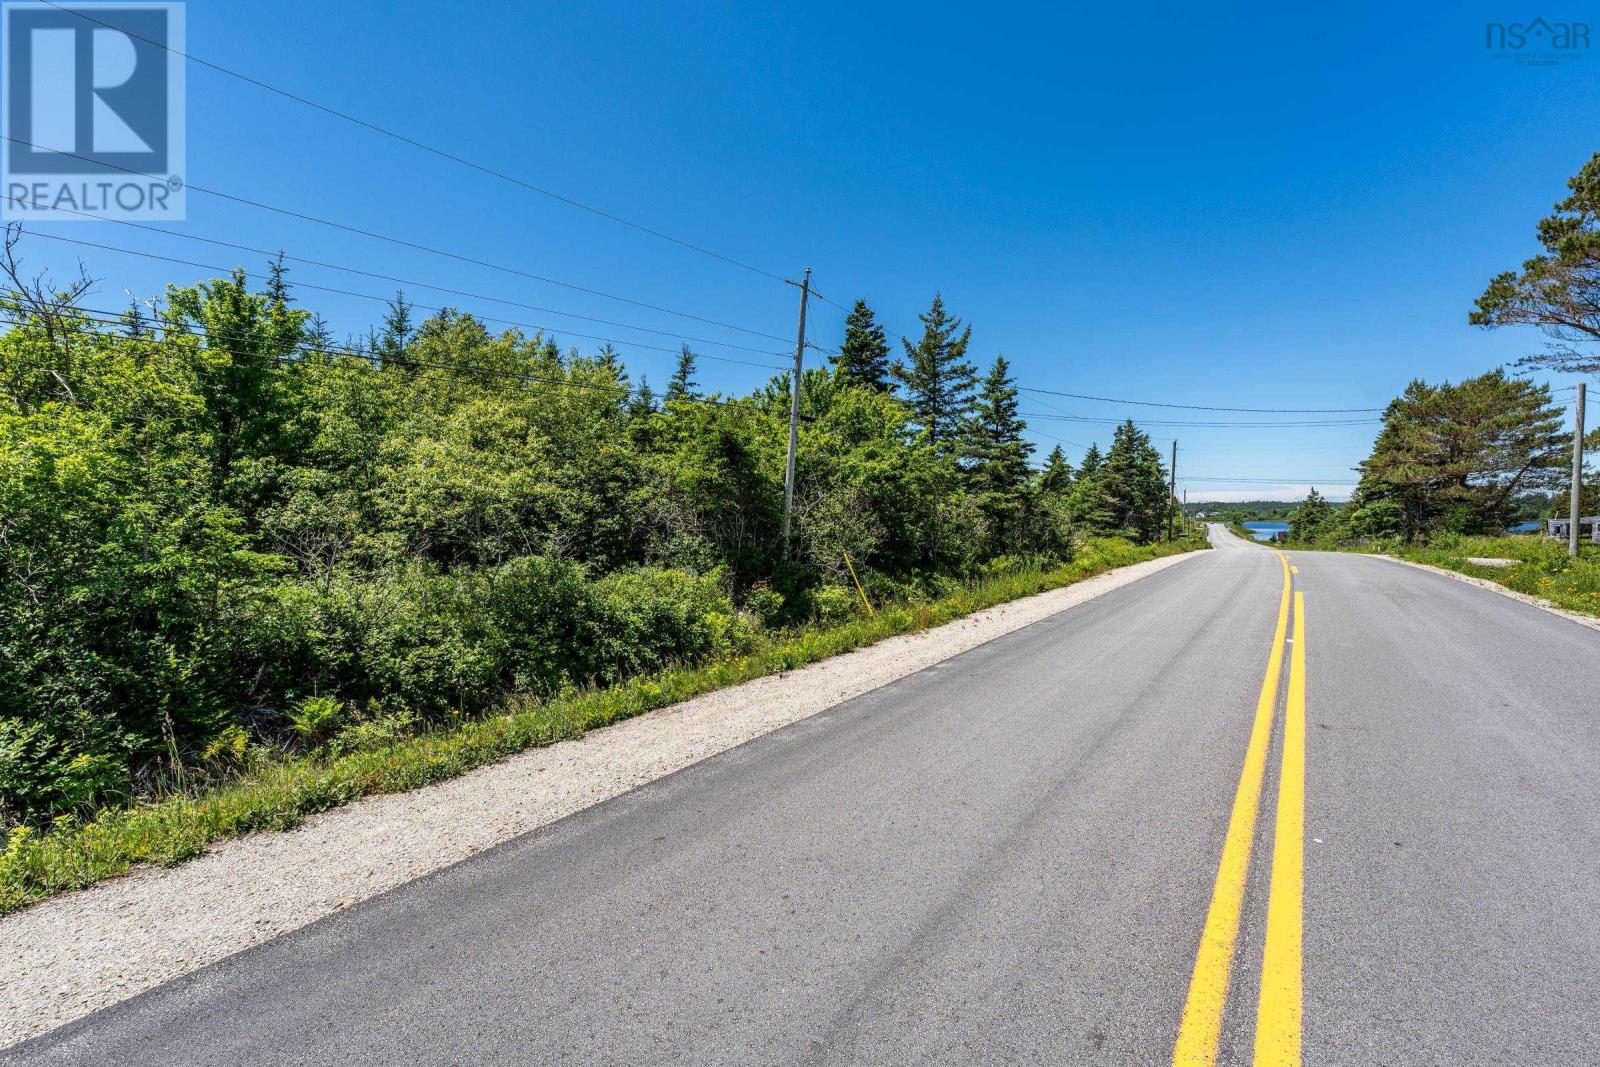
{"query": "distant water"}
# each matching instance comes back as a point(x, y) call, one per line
point(1266, 531)
point(1525, 527)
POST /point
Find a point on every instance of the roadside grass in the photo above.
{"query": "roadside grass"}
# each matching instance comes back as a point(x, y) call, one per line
point(1542, 568)
point(282, 795)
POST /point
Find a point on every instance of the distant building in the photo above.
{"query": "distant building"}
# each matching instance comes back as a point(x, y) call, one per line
point(1588, 526)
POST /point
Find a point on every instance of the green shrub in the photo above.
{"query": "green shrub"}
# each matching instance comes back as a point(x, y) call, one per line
point(766, 604)
point(650, 617)
point(315, 719)
point(835, 603)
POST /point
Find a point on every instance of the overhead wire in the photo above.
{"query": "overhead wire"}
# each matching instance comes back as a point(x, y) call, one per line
point(422, 145)
point(405, 243)
point(387, 300)
point(103, 317)
point(272, 253)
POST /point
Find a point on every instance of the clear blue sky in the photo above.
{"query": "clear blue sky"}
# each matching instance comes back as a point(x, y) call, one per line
point(1257, 209)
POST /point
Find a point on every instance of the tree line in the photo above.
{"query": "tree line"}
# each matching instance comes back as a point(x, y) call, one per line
point(1470, 457)
point(221, 533)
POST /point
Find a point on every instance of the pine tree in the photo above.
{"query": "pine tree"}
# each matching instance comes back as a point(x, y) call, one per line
point(999, 455)
point(683, 386)
point(937, 377)
point(397, 331)
point(863, 359)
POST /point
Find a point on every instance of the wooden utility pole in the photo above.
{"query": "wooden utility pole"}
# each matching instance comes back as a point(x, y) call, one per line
point(794, 410)
point(1172, 492)
point(1577, 478)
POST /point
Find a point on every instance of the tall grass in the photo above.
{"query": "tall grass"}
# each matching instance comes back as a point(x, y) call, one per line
point(282, 795)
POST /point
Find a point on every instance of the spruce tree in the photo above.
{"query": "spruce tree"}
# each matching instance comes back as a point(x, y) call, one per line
point(1057, 475)
point(863, 359)
point(683, 386)
point(643, 401)
point(393, 344)
point(1092, 461)
point(1134, 483)
point(278, 282)
point(318, 335)
point(937, 378)
point(999, 455)
point(134, 323)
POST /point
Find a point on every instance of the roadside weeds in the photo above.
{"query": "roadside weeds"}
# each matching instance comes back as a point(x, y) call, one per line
point(35, 865)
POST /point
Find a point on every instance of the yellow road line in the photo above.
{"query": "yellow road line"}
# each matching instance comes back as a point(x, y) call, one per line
point(1278, 1015)
point(1201, 1028)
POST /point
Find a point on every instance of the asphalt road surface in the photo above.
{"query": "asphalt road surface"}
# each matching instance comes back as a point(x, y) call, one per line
point(1144, 828)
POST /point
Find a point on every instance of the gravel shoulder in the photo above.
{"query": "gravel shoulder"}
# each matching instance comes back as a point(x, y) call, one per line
point(71, 955)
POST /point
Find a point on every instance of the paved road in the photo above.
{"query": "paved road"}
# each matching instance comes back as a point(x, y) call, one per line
point(1012, 857)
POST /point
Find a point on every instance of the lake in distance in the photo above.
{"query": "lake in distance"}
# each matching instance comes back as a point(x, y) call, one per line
point(1266, 531)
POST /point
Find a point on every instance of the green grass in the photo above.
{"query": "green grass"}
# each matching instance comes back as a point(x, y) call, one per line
point(280, 796)
point(1543, 568)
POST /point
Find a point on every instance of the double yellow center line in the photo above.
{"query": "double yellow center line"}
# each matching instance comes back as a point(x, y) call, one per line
point(1279, 1006)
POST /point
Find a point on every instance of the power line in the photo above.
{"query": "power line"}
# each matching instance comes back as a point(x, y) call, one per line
point(1213, 425)
point(1268, 481)
point(1202, 407)
point(403, 243)
point(385, 300)
point(270, 253)
point(414, 143)
point(103, 317)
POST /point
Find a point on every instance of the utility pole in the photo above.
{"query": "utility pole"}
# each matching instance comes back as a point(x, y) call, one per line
point(794, 410)
point(1577, 478)
point(1172, 492)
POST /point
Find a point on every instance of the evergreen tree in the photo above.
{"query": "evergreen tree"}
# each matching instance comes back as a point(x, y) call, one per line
point(999, 454)
point(277, 282)
point(398, 332)
point(1092, 461)
point(1311, 518)
point(134, 323)
point(318, 335)
point(937, 378)
point(1056, 478)
point(1559, 289)
point(1134, 483)
point(1456, 456)
point(643, 401)
point(683, 386)
point(863, 359)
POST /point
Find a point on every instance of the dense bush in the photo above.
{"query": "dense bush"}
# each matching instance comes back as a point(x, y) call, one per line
point(223, 539)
